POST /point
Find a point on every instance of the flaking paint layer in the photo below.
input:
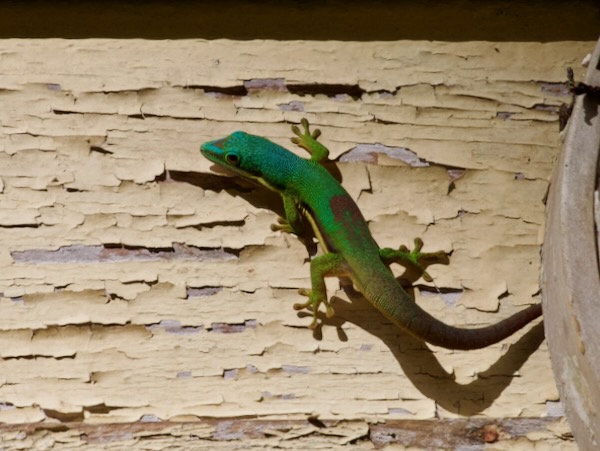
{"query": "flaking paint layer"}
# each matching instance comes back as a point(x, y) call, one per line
point(137, 283)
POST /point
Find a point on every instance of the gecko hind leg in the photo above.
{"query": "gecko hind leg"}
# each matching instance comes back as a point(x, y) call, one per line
point(415, 260)
point(320, 267)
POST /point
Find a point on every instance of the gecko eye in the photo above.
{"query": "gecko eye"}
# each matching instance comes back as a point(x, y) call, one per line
point(233, 159)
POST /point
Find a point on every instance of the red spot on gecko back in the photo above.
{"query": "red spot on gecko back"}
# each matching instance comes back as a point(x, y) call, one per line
point(344, 210)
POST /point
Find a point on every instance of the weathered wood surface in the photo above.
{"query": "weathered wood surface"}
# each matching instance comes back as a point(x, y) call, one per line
point(230, 434)
point(570, 271)
point(138, 285)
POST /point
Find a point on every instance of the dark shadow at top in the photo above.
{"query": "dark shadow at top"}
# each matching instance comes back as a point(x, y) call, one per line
point(350, 20)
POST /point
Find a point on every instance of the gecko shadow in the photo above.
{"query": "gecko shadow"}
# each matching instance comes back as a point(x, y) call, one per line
point(251, 192)
point(421, 366)
point(417, 361)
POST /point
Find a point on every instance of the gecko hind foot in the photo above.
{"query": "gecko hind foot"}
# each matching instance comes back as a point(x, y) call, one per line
point(313, 304)
point(414, 260)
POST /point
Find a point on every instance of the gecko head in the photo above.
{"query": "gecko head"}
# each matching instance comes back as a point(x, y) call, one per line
point(240, 153)
point(232, 153)
point(224, 151)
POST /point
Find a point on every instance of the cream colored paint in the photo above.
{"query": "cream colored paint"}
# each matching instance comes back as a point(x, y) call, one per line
point(99, 146)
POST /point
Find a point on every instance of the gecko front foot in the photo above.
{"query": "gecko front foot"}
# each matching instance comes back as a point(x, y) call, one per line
point(308, 141)
point(282, 225)
point(313, 303)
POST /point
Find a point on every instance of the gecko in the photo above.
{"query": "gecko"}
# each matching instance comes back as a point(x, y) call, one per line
point(310, 194)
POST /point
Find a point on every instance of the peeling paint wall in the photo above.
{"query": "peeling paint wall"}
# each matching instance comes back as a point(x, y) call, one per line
point(139, 285)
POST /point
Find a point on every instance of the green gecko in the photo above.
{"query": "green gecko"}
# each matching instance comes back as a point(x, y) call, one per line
point(309, 191)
